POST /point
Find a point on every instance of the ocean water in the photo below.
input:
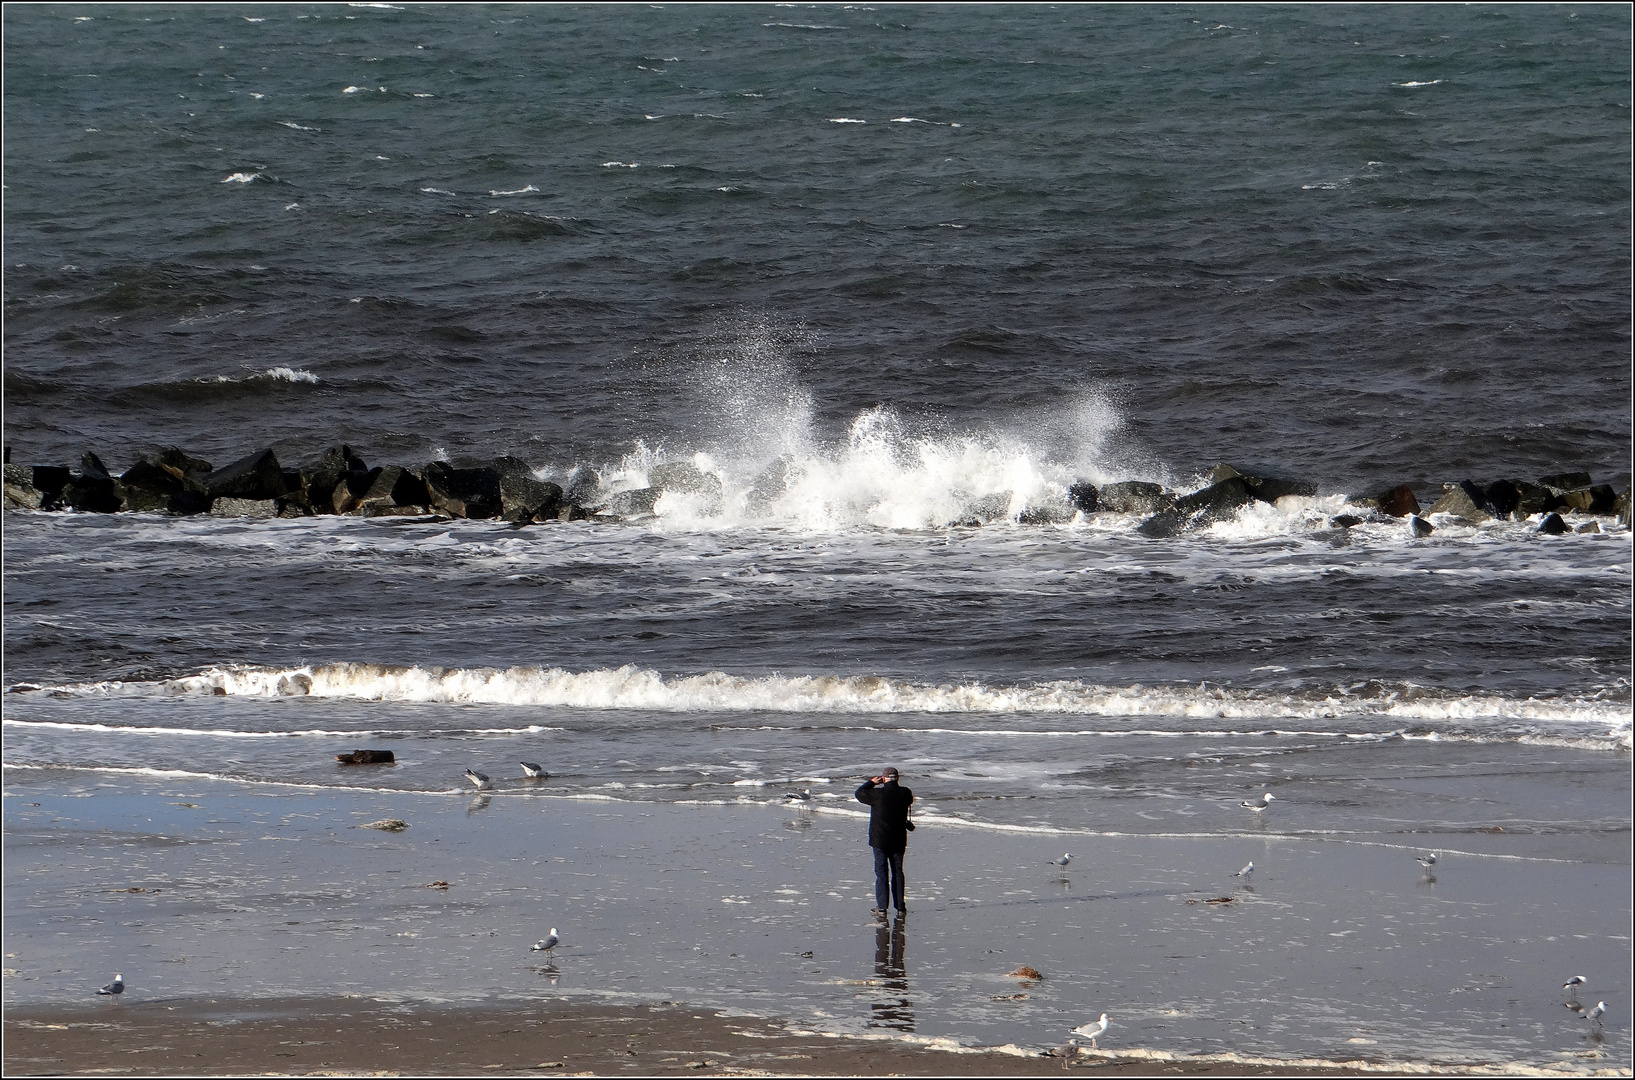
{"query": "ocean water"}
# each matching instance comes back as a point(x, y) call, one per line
point(908, 260)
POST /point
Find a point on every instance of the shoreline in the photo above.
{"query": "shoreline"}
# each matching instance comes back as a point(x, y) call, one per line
point(303, 1036)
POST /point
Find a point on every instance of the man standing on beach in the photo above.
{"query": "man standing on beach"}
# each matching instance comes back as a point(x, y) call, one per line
point(888, 835)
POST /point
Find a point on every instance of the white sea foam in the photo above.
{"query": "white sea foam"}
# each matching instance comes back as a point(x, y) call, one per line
point(845, 120)
point(276, 374)
point(436, 191)
point(1427, 82)
point(241, 178)
point(297, 127)
point(1591, 722)
point(518, 191)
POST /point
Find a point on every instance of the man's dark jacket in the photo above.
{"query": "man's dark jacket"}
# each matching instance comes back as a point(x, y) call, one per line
point(888, 820)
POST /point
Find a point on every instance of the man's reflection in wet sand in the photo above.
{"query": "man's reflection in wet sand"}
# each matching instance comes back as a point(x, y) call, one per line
point(895, 1011)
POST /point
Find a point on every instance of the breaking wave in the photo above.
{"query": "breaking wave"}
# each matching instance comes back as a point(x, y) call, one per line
point(1407, 711)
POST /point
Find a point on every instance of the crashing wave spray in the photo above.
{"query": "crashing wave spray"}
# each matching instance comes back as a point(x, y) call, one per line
point(754, 433)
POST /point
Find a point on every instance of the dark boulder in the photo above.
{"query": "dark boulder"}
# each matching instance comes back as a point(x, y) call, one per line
point(1566, 481)
point(1589, 527)
point(1503, 496)
point(94, 491)
point(1398, 502)
point(584, 486)
point(1419, 526)
point(50, 481)
point(467, 493)
point(91, 467)
point(985, 510)
point(367, 757)
point(257, 477)
point(153, 485)
point(569, 512)
point(1083, 496)
point(1465, 501)
point(1599, 499)
point(1046, 514)
point(632, 503)
point(1265, 488)
point(340, 459)
point(686, 478)
point(349, 490)
point(392, 488)
point(524, 497)
point(21, 494)
point(1133, 497)
point(1535, 499)
point(1217, 502)
point(769, 485)
point(1552, 525)
point(229, 507)
point(180, 462)
point(1346, 521)
point(1621, 507)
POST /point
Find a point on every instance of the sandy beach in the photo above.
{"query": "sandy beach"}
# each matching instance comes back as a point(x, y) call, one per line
point(351, 1036)
point(259, 916)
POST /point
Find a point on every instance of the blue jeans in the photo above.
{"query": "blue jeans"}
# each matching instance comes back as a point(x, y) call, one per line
point(888, 866)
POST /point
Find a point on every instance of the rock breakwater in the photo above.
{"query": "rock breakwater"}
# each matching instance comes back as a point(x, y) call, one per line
point(340, 482)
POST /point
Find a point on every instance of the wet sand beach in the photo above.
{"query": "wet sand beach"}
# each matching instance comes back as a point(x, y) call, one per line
point(232, 908)
point(557, 1038)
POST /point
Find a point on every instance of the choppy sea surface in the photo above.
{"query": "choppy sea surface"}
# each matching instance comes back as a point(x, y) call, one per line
point(914, 259)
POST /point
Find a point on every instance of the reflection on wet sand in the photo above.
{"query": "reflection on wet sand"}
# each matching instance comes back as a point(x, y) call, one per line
point(896, 1011)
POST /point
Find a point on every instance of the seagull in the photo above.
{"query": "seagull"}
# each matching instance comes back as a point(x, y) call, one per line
point(480, 779)
point(1595, 1013)
point(1247, 870)
point(1092, 1031)
point(537, 772)
point(803, 795)
point(1266, 800)
point(546, 943)
point(1063, 861)
point(1067, 1052)
point(1428, 861)
point(115, 987)
point(1574, 983)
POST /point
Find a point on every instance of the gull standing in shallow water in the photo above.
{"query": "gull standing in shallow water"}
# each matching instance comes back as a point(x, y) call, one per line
point(1428, 860)
point(1257, 807)
point(803, 795)
point(115, 987)
point(480, 779)
point(534, 772)
point(1597, 1012)
point(1092, 1031)
point(546, 944)
point(1246, 871)
point(1574, 983)
point(1063, 861)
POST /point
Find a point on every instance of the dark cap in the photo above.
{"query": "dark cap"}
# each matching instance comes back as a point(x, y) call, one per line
point(890, 772)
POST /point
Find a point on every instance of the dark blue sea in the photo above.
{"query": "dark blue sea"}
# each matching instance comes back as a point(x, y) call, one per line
point(912, 261)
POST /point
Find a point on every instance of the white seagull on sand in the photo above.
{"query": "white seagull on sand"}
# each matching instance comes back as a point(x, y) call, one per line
point(1067, 1052)
point(1092, 1031)
point(115, 987)
point(480, 779)
point(1596, 1013)
point(1428, 860)
point(536, 772)
point(546, 943)
point(1063, 861)
point(1257, 807)
point(1574, 983)
point(1247, 870)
